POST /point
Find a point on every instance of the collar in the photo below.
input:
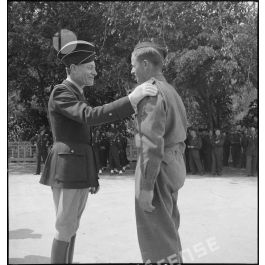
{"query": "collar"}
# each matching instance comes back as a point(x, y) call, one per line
point(159, 77)
point(75, 84)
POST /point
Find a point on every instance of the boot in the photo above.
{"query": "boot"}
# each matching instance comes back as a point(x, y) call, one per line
point(59, 251)
point(70, 253)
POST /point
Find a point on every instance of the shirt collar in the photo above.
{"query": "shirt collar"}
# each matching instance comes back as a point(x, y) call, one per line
point(159, 77)
point(75, 84)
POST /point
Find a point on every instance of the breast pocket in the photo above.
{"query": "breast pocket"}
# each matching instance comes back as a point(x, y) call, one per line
point(71, 166)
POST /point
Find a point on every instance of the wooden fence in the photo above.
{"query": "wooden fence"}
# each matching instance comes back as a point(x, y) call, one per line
point(26, 152)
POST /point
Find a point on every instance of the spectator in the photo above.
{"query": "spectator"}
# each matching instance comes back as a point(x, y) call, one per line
point(114, 146)
point(41, 142)
point(194, 145)
point(236, 147)
point(244, 148)
point(226, 148)
point(217, 153)
point(103, 151)
point(251, 152)
point(122, 152)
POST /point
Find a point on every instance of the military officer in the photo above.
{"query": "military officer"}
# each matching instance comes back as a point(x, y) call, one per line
point(217, 153)
point(226, 149)
point(236, 147)
point(194, 146)
point(70, 168)
point(160, 170)
point(114, 146)
point(41, 141)
point(252, 152)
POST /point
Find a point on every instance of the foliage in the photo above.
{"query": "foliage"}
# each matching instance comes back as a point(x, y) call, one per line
point(212, 45)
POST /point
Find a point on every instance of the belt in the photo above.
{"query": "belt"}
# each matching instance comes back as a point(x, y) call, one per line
point(179, 147)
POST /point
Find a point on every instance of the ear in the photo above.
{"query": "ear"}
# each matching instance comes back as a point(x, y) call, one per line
point(72, 67)
point(145, 63)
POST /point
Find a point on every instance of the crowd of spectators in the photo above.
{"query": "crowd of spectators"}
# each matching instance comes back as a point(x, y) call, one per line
point(209, 151)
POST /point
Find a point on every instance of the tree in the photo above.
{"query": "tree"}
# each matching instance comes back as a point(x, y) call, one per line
point(213, 53)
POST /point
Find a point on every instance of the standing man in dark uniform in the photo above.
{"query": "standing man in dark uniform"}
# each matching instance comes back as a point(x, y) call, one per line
point(252, 152)
point(236, 147)
point(244, 148)
point(160, 170)
point(114, 147)
point(103, 151)
point(70, 168)
point(122, 151)
point(96, 148)
point(217, 153)
point(41, 141)
point(226, 149)
point(194, 146)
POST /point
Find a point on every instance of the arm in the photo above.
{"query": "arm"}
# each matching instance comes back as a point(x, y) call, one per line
point(66, 103)
point(151, 121)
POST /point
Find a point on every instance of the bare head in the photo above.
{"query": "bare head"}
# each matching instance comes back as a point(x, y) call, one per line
point(147, 60)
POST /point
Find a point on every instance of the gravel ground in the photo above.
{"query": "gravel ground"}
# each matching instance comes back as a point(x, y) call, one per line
point(218, 219)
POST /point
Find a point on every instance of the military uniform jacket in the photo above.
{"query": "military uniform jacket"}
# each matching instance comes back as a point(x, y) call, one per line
point(195, 142)
point(161, 126)
point(252, 146)
point(217, 142)
point(71, 162)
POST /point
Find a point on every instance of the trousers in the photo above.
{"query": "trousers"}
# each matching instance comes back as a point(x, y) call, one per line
point(69, 206)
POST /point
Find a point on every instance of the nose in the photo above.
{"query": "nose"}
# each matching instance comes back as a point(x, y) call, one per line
point(132, 71)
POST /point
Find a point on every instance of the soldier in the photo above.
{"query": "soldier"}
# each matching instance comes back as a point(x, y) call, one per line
point(226, 148)
point(70, 168)
point(252, 152)
point(96, 148)
point(160, 170)
point(244, 148)
point(236, 147)
point(194, 146)
point(217, 153)
point(41, 141)
point(114, 147)
point(103, 151)
point(122, 152)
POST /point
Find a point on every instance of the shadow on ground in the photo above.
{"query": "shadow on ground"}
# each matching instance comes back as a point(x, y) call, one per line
point(23, 234)
point(30, 259)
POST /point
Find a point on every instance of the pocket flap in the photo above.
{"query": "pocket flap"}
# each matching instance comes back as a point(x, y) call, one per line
point(168, 157)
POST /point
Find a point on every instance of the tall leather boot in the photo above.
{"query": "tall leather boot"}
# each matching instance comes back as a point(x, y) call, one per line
point(71, 247)
point(59, 252)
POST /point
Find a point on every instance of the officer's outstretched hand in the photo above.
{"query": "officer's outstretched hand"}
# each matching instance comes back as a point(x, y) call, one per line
point(141, 91)
point(145, 200)
point(93, 190)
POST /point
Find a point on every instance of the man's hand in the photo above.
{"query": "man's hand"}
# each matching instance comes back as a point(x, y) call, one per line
point(141, 91)
point(93, 190)
point(145, 200)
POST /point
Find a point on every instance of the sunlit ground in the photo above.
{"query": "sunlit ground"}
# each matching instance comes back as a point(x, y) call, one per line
point(218, 219)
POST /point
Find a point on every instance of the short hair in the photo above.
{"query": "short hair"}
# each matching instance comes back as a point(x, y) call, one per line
point(68, 70)
point(150, 54)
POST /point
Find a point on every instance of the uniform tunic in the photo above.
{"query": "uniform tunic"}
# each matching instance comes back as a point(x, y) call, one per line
point(161, 126)
point(251, 153)
point(217, 154)
point(71, 162)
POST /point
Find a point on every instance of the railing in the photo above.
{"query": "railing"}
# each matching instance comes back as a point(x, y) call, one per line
point(21, 152)
point(26, 151)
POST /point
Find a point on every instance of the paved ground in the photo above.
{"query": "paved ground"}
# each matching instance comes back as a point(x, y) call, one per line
point(218, 220)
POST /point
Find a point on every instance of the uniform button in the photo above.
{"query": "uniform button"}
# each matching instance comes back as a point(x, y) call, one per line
point(110, 114)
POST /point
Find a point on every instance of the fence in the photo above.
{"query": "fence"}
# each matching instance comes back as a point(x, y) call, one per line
point(26, 152)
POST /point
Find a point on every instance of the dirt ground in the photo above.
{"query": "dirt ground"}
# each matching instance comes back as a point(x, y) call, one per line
point(218, 219)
